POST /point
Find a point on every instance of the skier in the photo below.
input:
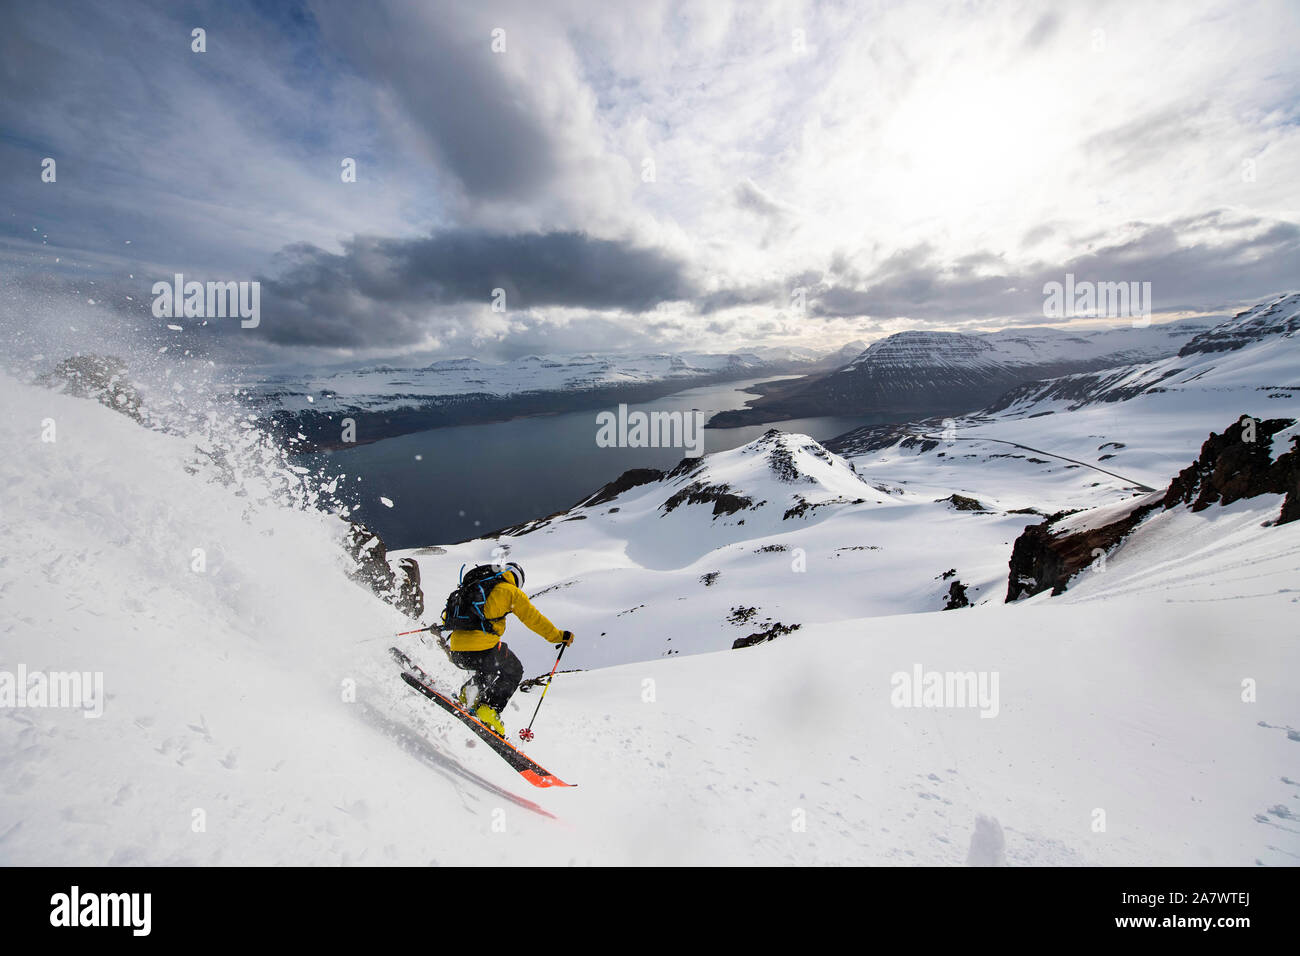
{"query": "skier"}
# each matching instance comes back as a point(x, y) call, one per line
point(476, 611)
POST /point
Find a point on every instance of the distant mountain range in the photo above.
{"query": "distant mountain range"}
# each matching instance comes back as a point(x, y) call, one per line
point(387, 400)
point(919, 374)
point(1274, 323)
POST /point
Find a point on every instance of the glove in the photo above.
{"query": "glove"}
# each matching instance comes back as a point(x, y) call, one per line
point(566, 638)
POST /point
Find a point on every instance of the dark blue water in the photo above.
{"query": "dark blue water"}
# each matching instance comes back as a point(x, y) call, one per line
point(452, 484)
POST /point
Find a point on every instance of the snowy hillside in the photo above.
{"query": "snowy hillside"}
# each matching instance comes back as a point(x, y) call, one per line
point(250, 713)
point(742, 542)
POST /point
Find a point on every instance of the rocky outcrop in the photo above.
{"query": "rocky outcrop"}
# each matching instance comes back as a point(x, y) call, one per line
point(963, 503)
point(770, 633)
point(698, 493)
point(1043, 559)
point(625, 482)
point(1231, 466)
point(371, 567)
point(1237, 464)
point(957, 597)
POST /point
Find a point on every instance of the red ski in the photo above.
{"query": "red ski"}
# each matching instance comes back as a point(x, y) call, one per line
point(528, 768)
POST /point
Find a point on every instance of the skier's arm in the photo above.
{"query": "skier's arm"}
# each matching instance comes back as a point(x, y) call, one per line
point(532, 618)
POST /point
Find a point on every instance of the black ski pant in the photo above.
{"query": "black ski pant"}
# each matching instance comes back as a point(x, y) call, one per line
point(496, 671)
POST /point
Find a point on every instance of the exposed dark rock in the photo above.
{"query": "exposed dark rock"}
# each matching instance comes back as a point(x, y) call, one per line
point(686, 467)
point(1041, 560)
point(1291, 504)
point(698, 493)
point(1237, 464)
point(771, 633)
point(962, 503)
point(371, 567)
point(410, 596)
point(804, 506)
point(709, 577)
point(741, 615)
point(956, 597)
point(625, 482)
point(914, 441)
point(782, 463)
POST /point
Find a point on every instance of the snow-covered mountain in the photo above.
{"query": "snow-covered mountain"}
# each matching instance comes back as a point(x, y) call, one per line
point(912, 374)
point(1280, 318)
point(1253, 350)
point(387, 387)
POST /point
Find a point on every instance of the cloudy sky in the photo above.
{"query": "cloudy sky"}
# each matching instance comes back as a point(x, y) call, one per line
point(706, 175)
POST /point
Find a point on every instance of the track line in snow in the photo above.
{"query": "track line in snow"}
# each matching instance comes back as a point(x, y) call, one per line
point(420, 748)
point(1038, 451)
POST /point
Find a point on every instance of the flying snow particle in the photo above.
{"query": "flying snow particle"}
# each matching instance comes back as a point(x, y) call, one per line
point(386, 502)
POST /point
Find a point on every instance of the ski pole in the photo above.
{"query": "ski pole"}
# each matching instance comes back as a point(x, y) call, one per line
point(430, 628)
point(527, 732)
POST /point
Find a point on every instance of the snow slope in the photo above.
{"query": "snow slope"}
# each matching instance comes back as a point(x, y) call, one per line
point(255, 697)
point(802, 539)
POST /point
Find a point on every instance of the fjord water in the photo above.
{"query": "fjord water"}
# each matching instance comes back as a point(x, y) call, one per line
point(451, 484)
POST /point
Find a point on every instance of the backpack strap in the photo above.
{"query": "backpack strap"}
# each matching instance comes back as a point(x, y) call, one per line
point(486, 592)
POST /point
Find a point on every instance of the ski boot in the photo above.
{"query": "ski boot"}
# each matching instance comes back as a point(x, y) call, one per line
point(468, 696)
point(491, 718)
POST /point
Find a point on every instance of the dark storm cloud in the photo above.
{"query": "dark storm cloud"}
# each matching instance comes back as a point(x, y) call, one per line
point(381, 292)
point(482, 125)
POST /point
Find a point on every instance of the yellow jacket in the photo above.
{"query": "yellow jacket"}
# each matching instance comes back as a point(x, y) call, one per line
point(505, 598)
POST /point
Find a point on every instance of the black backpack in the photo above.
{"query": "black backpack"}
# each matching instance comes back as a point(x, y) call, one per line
point(464, 611)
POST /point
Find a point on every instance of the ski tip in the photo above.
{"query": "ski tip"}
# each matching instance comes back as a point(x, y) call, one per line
point(544, 780)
